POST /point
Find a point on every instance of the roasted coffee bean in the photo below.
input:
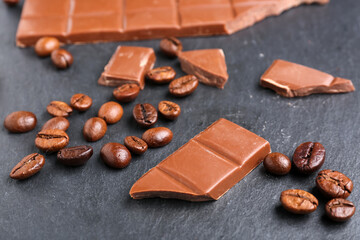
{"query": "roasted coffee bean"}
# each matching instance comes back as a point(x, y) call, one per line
point(339, 209)
point(145, 114)
point(28, 166)
point(51, 140)
point(334, 184)
point(127, 92)
point(94, 129)
point(309, 157)
point(59, 109)
point(11, 3)
point(161, 75)
point(169, 110)
point(135, 145)
point(61, 58)
point(115, 155)
point(60, 123)
point(46, 45)
point(298, 201)
point(171, 46)
point(277, 163)
point(75, 156)
point(157, 137)
point(183, 86)
point(20, 122)
point(80, 102)
point(111, 112)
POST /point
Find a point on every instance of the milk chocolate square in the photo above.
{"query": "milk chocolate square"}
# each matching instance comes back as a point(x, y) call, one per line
point(89, 7)
point(41, 8)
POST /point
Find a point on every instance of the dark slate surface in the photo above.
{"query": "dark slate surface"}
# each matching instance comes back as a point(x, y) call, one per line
point(92, 202)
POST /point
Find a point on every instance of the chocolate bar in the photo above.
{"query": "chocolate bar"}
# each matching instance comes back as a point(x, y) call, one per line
point(128, 65)
point(294, 80)
point(83, 21)
point(206, 167)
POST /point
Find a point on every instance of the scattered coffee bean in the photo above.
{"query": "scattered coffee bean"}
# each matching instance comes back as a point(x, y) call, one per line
point(61, 58)
point(135, 145)
point(59, 109)
point(298, 201)
point(145, 114)
point(334, 184)
point(115, 155)
point(161, 75)
point(157, 137)
point(28, 166)
point(20, 122)
point(127, 92)
point(340, 209)
point(94, 129)
point(277, 163)
point(169, 110)
point(111, 112)
point(11, 3)
point(51, 140)
point(60, 123)
point(171, 46)
point(46, 45)
point(183, 86)
point(80, 102)
point(75, 156)
point(309, 157)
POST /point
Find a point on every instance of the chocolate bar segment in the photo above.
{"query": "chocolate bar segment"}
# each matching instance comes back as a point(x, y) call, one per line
point(294, 80)
point(206, 167)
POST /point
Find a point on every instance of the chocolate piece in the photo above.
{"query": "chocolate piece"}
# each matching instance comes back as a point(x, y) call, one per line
point(294, 80)
point(79, 21)
point(206, 167)
point(208, 65)
point(128, 65)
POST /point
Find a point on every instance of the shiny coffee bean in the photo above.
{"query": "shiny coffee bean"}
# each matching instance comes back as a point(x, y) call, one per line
point(157, 137)
point(161, 75)
point(127, 92)
point(59, 109)
point(298, 201)
point(135, 145)
point(309, 157)
point(183, 86)
point(277, 163)
point(171, 46)
point(11, 3)
point(51, 140)
point(75, 156)
point(80, 102)
point(60, 123)
point(61, 58)
point(339, 209)
point(169, 110)
point(20, 122)
point(94, 129)
point(28, 166)
point(46, 45)
point(111, 112)
point(145, 114)
point(333, 184)
point(115, 155)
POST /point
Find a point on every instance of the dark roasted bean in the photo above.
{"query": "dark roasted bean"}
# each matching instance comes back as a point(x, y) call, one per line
point(111, 112)
point(309, 157)
point(334, 184)
point(51, 140)
point(171, 46)
point(59, 109)
point(94, 129)
point(60, 123)
point(11, 3)
point(161, 75)
point(46, 45)
point(157, 137)
point(20, 122)
point(169, 110)
point(75, 156)
point(339, 209)
point(298, 201)
point(115, 155)
point(277, 163)
point(80, 102)
point(127, 92)
point(145, 114)
point(28, 166)
point(135, 145)
point(183, 86)
point(61, 58)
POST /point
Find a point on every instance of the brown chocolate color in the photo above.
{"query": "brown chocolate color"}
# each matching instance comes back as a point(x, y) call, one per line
point(294, 80)
point(206, 167)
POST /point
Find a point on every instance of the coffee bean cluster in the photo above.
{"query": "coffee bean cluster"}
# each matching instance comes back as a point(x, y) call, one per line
point(309, 158)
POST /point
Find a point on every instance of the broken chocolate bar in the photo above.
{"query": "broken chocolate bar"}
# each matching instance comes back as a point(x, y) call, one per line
point(294, 80)
point(208, 65)
point(206, 167)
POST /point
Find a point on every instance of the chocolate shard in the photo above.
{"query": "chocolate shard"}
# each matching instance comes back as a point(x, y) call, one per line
point(206, 167)
point(128, 65)
point(294, 80)
point(208, 65)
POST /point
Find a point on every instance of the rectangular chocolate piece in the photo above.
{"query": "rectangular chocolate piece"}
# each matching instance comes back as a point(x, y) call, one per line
point(206, 167)
point(294, 80)
point(128, 65)
point(81, 21)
